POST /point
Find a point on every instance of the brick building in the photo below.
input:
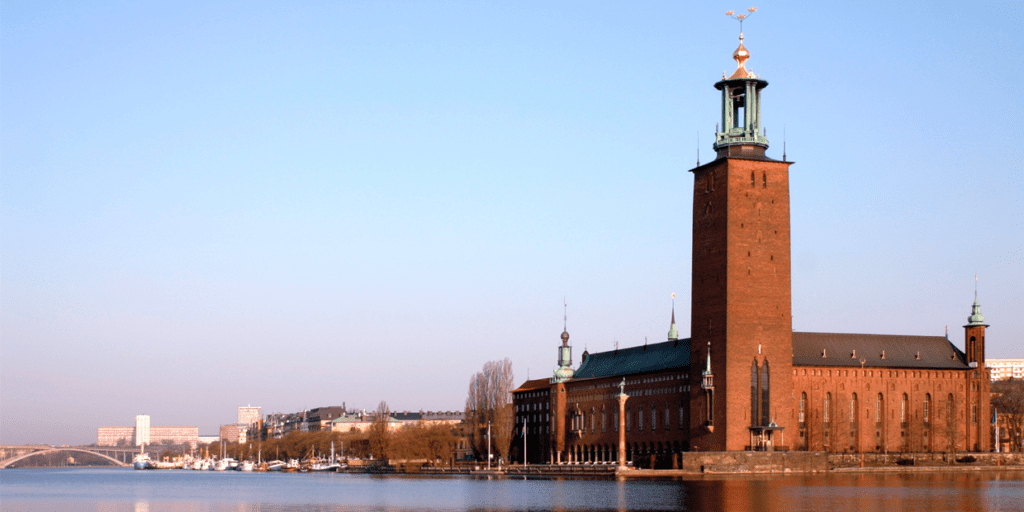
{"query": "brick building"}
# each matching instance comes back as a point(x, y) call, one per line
point(744, 380)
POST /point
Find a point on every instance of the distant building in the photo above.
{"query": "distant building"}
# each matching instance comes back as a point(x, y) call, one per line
point(320, 418)
point(249, 415)
point(142, 429)
point(1003, 369)
point(362, 421)
point(144, 433)
point(235, 433)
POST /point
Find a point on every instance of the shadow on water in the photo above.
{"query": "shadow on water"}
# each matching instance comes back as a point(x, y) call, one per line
point(150, 491)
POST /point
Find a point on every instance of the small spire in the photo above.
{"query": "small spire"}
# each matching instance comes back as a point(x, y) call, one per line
point(673, 333)
point(783, 143)
point(698, 148)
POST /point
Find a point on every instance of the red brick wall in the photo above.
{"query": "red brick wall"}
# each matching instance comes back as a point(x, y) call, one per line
point(915, 435)
point(741, 296)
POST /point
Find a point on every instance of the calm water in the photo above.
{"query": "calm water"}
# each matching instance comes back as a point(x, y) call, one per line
point(143, 491)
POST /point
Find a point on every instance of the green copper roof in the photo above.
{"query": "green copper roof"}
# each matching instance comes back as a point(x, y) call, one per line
point(976, 318)
point(628, 361)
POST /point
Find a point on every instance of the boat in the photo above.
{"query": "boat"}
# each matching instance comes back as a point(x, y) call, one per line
point(142, 461)
point(276, 465)
point(247, 465)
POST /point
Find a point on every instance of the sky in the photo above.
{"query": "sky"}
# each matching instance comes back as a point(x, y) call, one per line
point(305, 204)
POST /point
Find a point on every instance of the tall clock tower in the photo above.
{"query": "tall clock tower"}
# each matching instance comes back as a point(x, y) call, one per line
point(741, 319)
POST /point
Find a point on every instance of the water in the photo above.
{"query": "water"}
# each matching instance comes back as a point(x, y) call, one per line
point(150, 491)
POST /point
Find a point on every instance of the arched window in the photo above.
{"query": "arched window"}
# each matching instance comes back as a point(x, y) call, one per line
point(828, 407)
point(754, 416)
point(803, 409)
point(903, 411)
point(766, 417)
point(878, 411)
point(668, 415)
point(752, 179)
point(949, 411)
point(628, 417)
point(927, 408)
point(853, 408)
point(764, 179)
point(640, 418)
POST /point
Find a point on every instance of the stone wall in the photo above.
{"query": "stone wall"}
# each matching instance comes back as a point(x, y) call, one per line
point(754, 462)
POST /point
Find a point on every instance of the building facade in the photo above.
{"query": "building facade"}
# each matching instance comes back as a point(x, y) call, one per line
point(1004, 369)
point(744, 380)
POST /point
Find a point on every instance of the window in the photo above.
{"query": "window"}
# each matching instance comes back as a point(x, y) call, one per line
point(927, 407)
point(903, 411)
point(752, 184)
point(604, 421)
point(878, 411)
point(640, 418)
point(828, 407)
point(803, 409)
point(765, 395)
point(853, 408)
point(628, 417)
point(754, 416)
point(682, 420)
point(949, 411)
point(667, 416)
point(615, 421)
point(654, 418)
point(764, 179)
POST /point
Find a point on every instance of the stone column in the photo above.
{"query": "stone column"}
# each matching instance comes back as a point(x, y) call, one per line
point(622, 428)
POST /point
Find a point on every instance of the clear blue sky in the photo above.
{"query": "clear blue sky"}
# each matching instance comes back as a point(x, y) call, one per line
point(296, 205)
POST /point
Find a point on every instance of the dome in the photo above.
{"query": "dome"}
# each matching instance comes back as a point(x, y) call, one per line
point(565, 336)
point(975, 318)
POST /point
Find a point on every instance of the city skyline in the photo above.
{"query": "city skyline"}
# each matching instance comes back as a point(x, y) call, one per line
point(206, 207)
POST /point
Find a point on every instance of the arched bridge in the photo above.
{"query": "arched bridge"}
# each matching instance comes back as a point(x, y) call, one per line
point(19, 453)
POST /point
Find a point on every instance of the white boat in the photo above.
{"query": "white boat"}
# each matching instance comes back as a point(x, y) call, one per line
point(247, 465)
point(142, 461)
point(276, 465)
point(225, 464)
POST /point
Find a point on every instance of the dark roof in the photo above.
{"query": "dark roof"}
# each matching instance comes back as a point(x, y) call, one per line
point(642, 359)
point(531, 385)
point(934, 352)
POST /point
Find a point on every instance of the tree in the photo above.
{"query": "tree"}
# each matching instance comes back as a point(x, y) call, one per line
point(490, 402)
point(380, 435)
point(1008, 402)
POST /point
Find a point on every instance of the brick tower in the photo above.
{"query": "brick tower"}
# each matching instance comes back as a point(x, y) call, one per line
point(979, 406)
point(741, 305)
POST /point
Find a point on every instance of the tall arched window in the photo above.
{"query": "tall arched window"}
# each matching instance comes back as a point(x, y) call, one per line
point(764, 179)
point(927, 408)
point(826, 414)
point(752, 179)
point(878, 412)
point(640, 418)
point(754, 416)
point(949, 411)
point(766, 417)
point(903, 411)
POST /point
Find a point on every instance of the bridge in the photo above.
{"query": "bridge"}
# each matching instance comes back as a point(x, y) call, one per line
point(114, 455)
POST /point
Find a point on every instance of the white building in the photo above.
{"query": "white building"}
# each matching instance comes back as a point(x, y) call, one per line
point(142, 429)
point(249, 415)
point(1003, 369)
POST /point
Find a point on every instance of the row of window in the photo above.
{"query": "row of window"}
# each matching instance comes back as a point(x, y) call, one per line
point(926, 408)
point(709, 183)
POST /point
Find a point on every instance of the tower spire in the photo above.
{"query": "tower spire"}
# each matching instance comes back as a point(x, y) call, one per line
point(673, 333)
point(742, 133)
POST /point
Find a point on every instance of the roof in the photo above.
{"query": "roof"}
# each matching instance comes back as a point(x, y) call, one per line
point(838, 349)
point(531, 385)
point(642, 359)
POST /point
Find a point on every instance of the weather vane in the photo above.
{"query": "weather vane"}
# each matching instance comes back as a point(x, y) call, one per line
point(741, 17)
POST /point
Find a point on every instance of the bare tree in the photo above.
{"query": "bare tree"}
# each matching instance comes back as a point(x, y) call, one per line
point(490, 402)
point(380, 435)
point(1008, 403)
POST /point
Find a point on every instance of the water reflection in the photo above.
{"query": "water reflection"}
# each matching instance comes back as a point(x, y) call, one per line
point(115, 491)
